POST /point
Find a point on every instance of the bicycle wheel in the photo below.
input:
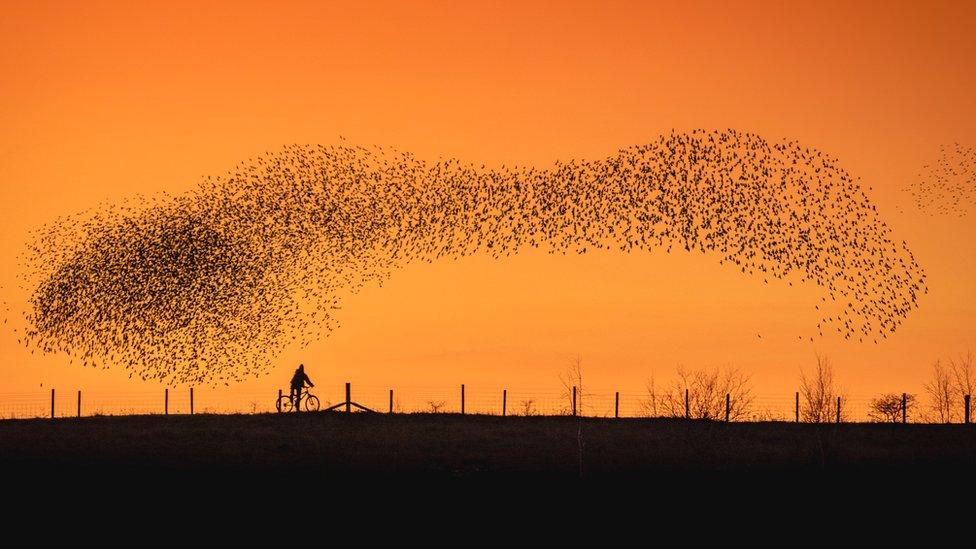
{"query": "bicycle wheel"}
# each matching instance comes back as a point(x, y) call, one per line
point(284, 404)
point(312, 403)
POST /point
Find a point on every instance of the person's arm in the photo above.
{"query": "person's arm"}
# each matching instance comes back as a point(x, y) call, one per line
point(309, 380)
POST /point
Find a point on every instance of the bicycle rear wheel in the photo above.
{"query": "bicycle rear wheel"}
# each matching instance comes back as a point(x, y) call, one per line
point(312, 403)
point(284, 404)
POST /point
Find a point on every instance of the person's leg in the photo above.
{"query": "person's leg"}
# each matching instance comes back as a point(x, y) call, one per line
point(296, 395)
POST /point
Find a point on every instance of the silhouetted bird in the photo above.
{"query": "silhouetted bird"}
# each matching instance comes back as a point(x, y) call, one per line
point(209, 286)
point(947, 186)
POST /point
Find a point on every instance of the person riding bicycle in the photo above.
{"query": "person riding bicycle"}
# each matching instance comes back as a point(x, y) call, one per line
point(298, 382)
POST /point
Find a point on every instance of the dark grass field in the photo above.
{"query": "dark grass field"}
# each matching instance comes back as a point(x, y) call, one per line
point(336, 447)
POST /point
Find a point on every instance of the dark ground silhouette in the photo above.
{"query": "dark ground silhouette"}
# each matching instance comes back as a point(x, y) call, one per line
point(334, 447)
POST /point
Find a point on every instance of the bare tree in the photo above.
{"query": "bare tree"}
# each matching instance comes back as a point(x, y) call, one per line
point(738, 387)
point(706, 390)
point(528, 407)
point(673, 403)
point(650, 404)
point(942, 392)
point(820, 393)
point(435, 407)
point(573, 377)
point(888, 407)
point(963, 377)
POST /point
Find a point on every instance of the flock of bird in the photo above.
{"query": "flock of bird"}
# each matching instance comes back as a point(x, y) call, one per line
point(947, 187)
point(209, 286)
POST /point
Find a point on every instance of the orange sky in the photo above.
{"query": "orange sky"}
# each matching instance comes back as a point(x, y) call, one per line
point(103, 100)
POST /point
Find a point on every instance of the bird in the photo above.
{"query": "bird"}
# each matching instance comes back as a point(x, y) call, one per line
point(211, 285)
point(946, 186)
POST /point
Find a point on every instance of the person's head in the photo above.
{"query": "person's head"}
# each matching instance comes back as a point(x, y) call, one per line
point(301, 368)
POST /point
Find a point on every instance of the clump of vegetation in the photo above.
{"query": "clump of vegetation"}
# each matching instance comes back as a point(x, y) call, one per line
point(889, 407)
point(701, 394)
point(648, 406)
point(570, 379)
point(947, 389)
point(820, 394)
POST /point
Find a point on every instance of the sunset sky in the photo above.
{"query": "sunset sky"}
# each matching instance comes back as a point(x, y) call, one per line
point(101, 101)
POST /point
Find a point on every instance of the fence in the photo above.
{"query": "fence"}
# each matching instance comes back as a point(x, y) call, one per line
point(498, 401)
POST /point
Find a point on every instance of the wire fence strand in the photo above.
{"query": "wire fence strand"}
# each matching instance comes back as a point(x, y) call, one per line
point(440, 399)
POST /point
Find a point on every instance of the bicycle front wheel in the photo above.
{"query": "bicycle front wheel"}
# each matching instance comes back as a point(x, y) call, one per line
point(284, 404)
point(312, 403)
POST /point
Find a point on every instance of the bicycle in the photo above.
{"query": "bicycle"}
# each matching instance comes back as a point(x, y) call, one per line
point(287, 404)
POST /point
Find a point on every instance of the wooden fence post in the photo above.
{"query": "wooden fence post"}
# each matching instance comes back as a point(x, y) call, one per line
point(504, 402)
point(79, 402)
point(797, 408)
point(52, 403)
point(166, 402)
point(278, 402)
point(904, 408)
point(462, 399)
point(838, 409)
point(574, 401)
point(968, 412)
point(348, 396)
point(616, 405)
point(391, 401)
point(728, 406)
point(191, 401)
point(687, 406)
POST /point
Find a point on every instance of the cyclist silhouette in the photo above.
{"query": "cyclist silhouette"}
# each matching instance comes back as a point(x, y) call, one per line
point(298, 382)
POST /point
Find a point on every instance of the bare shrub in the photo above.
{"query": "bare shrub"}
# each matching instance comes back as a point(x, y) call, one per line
point(942, 393)
point(573, 377)
point(963, 377)
point(650, 404)
point(706, 390)
point(820, 394)
point(888, 407)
